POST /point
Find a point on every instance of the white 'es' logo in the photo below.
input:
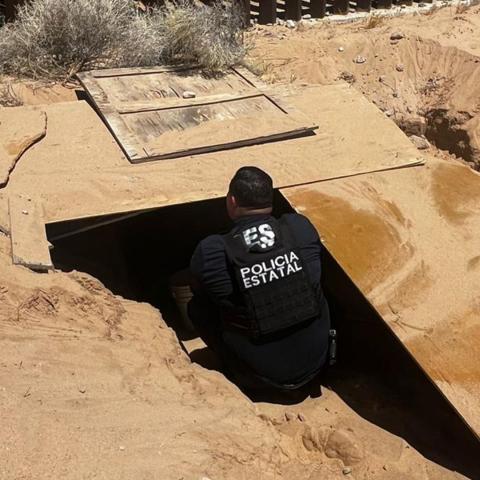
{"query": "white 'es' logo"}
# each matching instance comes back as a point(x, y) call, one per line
point(263, 236)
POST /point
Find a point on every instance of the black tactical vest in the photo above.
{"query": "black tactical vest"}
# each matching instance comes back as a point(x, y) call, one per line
point(275, 289)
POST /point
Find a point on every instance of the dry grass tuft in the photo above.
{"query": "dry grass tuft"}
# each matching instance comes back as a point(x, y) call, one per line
point(374, 21)
point(8, 97)
point(55, 39)
point(209, 36)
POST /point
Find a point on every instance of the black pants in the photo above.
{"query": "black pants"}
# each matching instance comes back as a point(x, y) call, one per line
point(206, 320)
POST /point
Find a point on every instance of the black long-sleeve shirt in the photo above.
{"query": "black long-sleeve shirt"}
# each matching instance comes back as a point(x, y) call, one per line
point(283, 358)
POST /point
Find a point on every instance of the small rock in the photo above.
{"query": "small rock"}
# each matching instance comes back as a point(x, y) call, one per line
point(389, 113)
point(382, 78)
point(400, 67)
point(359, 59)
point(82, 389)
point(409, 109)
point(289, 416)
point(347, 471)
point(420, 142)
point(121, 447)
point(188, 94)
point(395, 94)
point(397, 36)
point(347, 77)
point(304, 25)
point(344, 445)
point(306, 16)
point(341, 49)
point(280, 22)
point(301, 417)
point(290, 24)
point(25, 212)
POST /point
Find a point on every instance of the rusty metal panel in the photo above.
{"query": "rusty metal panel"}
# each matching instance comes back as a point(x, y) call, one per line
point(410, 241)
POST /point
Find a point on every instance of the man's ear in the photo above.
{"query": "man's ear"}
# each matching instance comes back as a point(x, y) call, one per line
point(233, 201)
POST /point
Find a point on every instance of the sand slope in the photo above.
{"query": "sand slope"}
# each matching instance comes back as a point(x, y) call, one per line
point(94, 386)
point(428, 81)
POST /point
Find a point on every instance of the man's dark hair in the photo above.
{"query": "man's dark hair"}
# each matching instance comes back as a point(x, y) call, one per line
point(252, 188)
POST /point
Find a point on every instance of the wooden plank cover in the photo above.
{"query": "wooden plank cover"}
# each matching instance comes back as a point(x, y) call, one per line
point(147, 113)
point(28, 235)
point(410, 241)
point(78, 170)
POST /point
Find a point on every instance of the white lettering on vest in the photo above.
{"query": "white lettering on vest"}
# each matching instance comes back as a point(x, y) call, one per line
point(270, 271)
point(263, 236)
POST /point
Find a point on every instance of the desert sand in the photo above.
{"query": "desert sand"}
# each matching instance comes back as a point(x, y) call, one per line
point(422, 71)
point(94, 385)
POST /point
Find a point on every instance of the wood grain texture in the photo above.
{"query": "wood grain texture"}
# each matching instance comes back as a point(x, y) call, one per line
point(163, 124)
point(78, 170)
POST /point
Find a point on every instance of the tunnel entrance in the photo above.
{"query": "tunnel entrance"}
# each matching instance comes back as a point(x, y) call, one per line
point(135, 255)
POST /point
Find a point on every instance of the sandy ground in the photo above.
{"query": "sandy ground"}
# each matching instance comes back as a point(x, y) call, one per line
point(421, 71)
point(96, 386)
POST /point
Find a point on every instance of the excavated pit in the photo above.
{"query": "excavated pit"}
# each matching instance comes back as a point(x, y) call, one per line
point(415, 74)
point(136, 256)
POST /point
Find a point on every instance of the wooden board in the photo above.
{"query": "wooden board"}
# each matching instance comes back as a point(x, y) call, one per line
point(410, 241)
point(28, 235)
point(147, 113)
point(20, 128)
point(78, 170)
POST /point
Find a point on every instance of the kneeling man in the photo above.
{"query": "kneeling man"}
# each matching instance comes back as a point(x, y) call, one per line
point(258, 302)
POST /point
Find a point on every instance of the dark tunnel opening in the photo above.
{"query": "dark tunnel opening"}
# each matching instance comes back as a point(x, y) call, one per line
point(136, 255)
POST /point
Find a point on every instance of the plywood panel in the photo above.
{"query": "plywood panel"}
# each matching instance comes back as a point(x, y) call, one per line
point(79, 171)
point(150, 118)
point(410, 241)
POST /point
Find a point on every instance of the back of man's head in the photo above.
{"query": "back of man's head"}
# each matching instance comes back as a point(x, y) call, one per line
point(252, 188)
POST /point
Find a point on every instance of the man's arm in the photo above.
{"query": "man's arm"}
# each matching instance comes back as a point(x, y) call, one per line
point(209, 268)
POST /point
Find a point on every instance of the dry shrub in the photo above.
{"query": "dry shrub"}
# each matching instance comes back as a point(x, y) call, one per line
point(374, 21)
point(209, 36)
point(55, 39)
point(8, 97)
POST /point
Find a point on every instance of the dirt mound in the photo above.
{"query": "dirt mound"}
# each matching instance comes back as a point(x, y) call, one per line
point(96, 386)
point(421, 76)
